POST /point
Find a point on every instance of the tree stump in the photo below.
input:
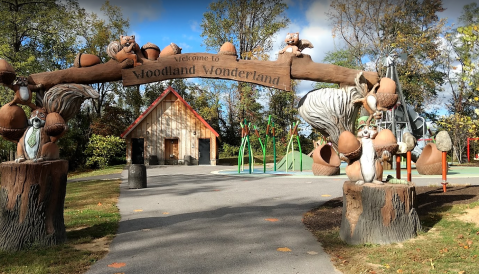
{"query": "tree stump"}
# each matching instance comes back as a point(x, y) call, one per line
point(32, 197)
point(379, 214)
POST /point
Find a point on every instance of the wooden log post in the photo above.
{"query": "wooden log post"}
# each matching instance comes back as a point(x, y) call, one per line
point(32, 197)
point(378, 214)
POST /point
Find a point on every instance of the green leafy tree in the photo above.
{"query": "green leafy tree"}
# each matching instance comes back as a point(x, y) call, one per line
point(103, 149)
point(250, 25)
point(98, 32)
point(459, 127)
point(370, 28)
point(38, 35)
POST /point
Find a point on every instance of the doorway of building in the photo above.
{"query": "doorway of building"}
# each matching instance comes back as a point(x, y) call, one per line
point(137, 151)
point(171, 151)
point(204, 152)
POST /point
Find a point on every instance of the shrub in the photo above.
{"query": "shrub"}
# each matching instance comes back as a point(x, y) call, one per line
point(102, 150)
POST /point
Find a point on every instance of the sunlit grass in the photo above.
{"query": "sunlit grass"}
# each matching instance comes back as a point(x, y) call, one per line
point(447, 245)
point(90, 214)
point(82, 173)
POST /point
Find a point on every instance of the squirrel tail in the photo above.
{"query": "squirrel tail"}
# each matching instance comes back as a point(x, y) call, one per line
point(66, 99)
point(113, 48)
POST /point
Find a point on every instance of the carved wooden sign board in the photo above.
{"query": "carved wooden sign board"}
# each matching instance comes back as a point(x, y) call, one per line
point(206, 65)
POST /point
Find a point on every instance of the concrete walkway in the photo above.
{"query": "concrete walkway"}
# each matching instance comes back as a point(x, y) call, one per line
point(189, 220)
point(204, 219)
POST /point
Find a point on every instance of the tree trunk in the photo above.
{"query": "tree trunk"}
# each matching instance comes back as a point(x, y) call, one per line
point(379, 214)
point(32, 197)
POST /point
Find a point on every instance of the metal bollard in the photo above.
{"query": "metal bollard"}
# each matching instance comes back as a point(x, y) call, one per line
point(137, 176)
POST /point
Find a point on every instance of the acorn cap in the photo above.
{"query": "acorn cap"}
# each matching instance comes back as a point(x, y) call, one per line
point(150, 46)
point(228, 49)
point(7, 72)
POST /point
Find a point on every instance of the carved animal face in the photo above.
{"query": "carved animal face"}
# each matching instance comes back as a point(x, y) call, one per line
point(37, 118)
point(292, 38)
point(127, 40)
point(21, 81)
point(367, 132)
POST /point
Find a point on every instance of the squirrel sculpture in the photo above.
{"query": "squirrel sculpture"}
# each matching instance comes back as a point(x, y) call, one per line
point(35, 143)
point(23, 92)
point(47, 122)
point(126, 48)
point(295, 45)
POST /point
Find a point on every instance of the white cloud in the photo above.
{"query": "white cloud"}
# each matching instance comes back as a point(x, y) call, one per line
point(316, 13)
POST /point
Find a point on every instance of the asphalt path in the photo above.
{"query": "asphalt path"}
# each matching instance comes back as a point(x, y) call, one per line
point(189, 220)
point(202, 219)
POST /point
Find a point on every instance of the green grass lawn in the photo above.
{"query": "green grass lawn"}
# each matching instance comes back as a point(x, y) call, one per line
point(82, 173)
point(91, 220)
point(447, 245)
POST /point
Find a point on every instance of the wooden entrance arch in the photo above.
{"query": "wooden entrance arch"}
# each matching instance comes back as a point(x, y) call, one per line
point(276, 74)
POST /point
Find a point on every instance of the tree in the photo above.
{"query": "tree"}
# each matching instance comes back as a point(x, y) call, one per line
point(250, 25)
point(371, 28)
point(459, 127)
point(341, 57)
point(459, 61)
point(98, 33)
point(38, 35)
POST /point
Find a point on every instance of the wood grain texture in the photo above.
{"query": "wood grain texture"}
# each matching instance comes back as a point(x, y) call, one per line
point(378, 214)
point(32, 197)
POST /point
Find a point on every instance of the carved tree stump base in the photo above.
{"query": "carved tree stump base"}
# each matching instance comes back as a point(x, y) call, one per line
point(379, 214)
point(32, 197)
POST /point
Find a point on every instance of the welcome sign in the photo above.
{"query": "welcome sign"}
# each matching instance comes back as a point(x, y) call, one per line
point(206, 65)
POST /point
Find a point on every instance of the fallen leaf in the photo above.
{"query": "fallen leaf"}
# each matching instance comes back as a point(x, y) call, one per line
point(466, 247)
point(283, 249)
point(399, 271)
point(117, 265)
point(461, 272)
point(99, 204)
point(166, 213)
point(272, 220)
point(312, 253)
point(326, 195)
point(469, 242)
point(138, 210)
point(216, 190)
point(460, 236)
point(387, 266)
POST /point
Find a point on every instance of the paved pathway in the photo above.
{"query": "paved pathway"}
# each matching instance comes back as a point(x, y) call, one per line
point(199, 219)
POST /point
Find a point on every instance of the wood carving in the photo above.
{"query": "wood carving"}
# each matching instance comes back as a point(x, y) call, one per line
point(378, 214)
point(126, 48)
point(332, 110)
point(295, 45)
point(31, 204)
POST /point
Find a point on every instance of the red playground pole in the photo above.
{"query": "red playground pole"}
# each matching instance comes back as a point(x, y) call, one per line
point(468, 158)
point(444, 171)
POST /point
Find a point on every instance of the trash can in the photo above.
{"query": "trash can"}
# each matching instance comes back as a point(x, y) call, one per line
point(137, 176)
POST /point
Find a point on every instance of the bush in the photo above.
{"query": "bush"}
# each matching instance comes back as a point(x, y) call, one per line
point(103, 150)
point(229, 151)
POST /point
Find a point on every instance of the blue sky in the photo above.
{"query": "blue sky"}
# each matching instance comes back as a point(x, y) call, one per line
point(163, 22)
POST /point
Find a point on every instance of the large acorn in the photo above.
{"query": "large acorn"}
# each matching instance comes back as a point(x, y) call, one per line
point(386, 94)
point(228, 49)
point(83, 60)
point(13, 122)
point(7, 73)
point(349, 145)
point(171, 49)
point(150, 51)
point(385, 140)
point(54, 124)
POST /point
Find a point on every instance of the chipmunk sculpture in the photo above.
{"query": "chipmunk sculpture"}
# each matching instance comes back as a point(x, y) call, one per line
point(35, 144)
point(126, 48)
point(23, 92)
point(295, 45)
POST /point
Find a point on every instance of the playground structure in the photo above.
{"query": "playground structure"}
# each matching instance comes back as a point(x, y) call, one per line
point(293, 132)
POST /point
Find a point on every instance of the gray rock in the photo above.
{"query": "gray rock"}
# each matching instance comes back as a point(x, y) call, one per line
point(410, 140)
point(443, 141)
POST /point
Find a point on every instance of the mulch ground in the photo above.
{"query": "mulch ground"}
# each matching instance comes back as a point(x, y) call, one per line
point(328, 215)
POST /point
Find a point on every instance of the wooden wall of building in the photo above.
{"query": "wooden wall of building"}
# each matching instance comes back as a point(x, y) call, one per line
point(171, 119)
